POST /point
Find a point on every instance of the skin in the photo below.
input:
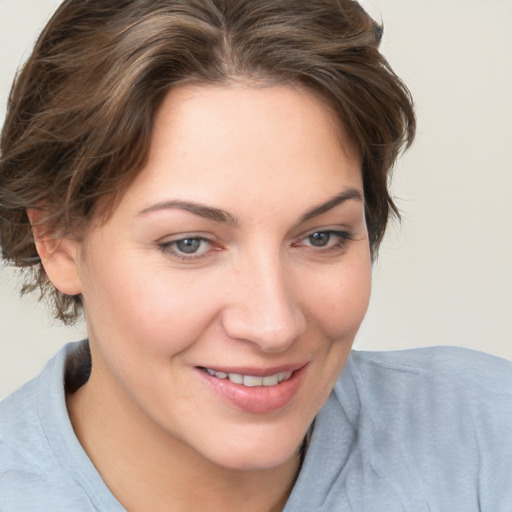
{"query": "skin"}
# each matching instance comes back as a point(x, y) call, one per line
point(259, 293)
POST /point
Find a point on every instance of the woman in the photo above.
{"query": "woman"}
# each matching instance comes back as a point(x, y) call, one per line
point(207, 180)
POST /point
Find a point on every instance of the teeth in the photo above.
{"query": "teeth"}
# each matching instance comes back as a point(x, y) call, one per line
point(250, 380)
point(284, 376)
point(271, 380)
point(236, 378)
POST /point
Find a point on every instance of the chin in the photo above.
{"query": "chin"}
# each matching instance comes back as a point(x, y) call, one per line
point(258, 452)
point(256, 461)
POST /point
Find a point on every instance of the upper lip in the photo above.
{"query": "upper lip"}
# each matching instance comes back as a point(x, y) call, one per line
point(256, 371)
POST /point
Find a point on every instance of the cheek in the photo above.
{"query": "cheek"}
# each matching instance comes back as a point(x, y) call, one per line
point(146, 307)
point(337, 301)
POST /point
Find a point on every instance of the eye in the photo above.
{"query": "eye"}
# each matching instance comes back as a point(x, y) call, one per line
point(320, 239)
point(325, 241)
point(192, 247)
point(189, 245)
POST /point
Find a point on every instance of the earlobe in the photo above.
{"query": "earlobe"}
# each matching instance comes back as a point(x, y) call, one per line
point(59, 255)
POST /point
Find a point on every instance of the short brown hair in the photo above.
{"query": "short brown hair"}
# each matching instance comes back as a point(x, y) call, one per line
point(81, 111)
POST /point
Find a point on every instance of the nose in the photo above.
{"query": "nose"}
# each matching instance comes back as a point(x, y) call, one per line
point(262, 308)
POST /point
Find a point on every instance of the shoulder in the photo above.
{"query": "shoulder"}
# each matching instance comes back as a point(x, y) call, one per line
point(422, 429)
point(469, 371)
point(440, 383)
point(437, 419)
point(31, 473)
point(431, 357)
point(19, 428)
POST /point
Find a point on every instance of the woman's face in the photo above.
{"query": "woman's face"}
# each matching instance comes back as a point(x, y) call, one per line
point(223, 295)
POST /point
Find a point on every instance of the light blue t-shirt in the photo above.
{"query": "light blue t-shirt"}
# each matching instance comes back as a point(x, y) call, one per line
point(416, 430)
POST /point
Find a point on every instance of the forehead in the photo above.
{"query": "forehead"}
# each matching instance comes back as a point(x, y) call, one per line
point(222, 143)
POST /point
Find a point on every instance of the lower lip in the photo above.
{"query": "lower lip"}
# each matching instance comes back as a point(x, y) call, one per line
point(257, 399)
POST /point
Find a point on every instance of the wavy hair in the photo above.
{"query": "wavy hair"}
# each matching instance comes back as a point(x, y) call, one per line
point(81, 110)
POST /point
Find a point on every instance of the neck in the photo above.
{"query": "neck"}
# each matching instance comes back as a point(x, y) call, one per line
point(147, 469)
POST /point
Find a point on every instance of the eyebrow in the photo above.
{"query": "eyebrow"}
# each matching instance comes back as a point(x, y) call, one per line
point(218, 215)
point(345, 195)
point(207, 212)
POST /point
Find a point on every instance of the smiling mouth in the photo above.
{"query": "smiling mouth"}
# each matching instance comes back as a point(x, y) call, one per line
point(250, 380)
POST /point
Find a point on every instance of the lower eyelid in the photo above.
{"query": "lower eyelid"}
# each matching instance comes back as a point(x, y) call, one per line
point(169, 249)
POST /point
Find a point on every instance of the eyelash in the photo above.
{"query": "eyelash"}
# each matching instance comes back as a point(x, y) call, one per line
point(170, 248)
point(342, 239)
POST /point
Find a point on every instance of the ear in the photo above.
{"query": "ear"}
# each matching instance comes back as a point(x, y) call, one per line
point(59, 255)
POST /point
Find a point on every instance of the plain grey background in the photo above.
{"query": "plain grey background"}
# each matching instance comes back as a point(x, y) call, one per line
point(444, 276)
